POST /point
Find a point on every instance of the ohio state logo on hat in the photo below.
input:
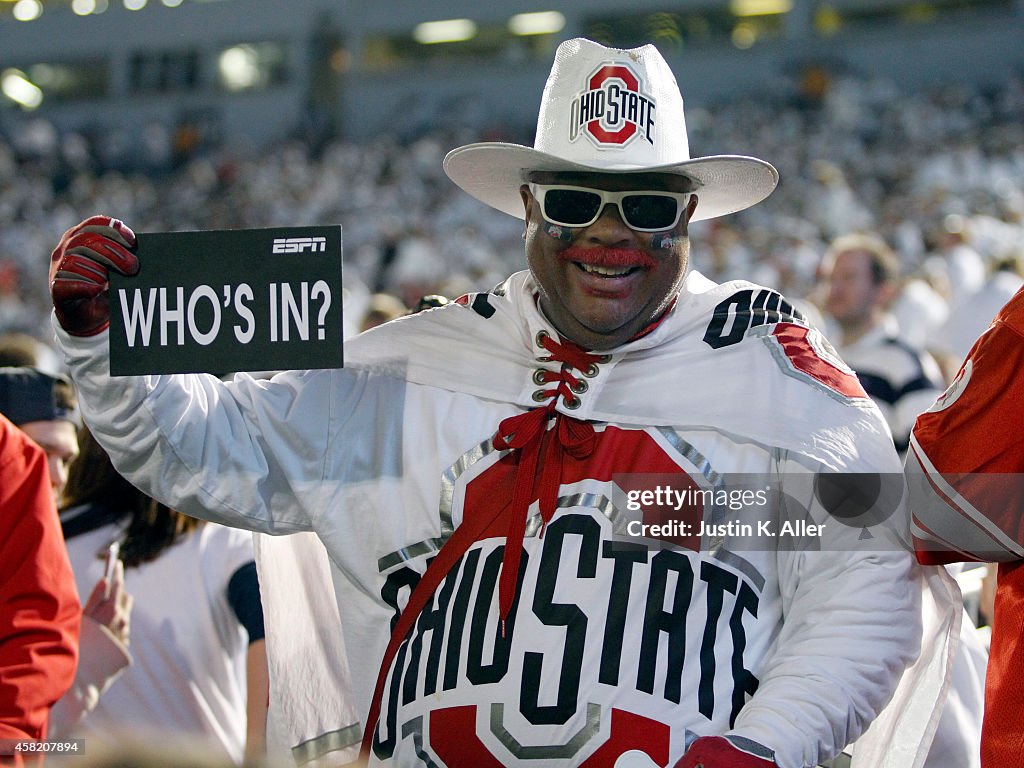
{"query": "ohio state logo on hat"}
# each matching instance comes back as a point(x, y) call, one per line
point(613, 110)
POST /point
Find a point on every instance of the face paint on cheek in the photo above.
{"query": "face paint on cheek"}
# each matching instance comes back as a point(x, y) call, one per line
point(666, 241)
point(558, 232)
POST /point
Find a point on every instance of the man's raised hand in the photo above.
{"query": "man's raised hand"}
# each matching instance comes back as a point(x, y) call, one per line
point(79, 272)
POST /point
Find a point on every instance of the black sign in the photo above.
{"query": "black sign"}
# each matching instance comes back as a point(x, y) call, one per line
point(231, 300)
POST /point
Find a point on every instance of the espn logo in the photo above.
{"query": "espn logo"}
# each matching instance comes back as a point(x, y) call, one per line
point(300, 244)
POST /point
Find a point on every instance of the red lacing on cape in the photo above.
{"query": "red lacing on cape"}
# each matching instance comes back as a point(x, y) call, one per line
point(542, 436)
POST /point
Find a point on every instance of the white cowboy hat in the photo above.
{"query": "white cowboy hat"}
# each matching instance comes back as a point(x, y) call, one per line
point(611, 111)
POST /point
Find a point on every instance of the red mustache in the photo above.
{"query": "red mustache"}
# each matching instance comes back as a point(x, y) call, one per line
point(608, 257)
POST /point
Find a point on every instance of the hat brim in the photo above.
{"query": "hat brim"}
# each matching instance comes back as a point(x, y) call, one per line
point(492, 172)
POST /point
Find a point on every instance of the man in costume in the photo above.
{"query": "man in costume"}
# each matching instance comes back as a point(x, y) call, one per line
point(474, 472)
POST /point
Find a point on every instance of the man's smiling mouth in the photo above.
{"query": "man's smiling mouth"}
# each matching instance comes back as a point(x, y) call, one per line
point(596, 269)
point(608, 263)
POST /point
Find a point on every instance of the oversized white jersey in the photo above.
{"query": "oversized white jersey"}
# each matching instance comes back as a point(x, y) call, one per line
point(188, 675)
point(618, 639)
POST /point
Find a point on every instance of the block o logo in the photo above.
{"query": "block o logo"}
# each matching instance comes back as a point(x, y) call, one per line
point(613, 110)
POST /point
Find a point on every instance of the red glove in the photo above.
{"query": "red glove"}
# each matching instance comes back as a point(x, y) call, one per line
point(727, 752)
point(79, 272)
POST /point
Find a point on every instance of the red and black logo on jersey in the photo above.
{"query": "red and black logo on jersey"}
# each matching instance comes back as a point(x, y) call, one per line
point(605, 638)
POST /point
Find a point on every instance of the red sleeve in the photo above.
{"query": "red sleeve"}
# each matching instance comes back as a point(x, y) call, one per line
point(39, 607)
point(1002, 736)
point(965, 467)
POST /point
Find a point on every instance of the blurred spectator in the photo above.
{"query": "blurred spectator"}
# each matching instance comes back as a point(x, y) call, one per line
point(199, 663)
point(106, 616)
point(44, 407)
point(39, 609)
point(382, 308)
point(972, 315)
point(965, 266)
point(862, 275)
point(18, 350)
point(920, 311)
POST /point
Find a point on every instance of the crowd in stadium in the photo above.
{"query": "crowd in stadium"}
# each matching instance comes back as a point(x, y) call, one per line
point(934, 173)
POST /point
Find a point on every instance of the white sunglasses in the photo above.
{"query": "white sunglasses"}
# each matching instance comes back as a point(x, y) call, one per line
point(644, 210)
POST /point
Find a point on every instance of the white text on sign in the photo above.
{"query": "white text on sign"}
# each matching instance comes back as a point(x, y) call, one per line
point(166, 316)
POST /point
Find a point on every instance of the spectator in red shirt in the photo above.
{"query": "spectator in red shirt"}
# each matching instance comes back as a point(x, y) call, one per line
point(964, 473)
point(39, 608)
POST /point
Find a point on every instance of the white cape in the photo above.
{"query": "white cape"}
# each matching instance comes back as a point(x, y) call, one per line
point(452, 349)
